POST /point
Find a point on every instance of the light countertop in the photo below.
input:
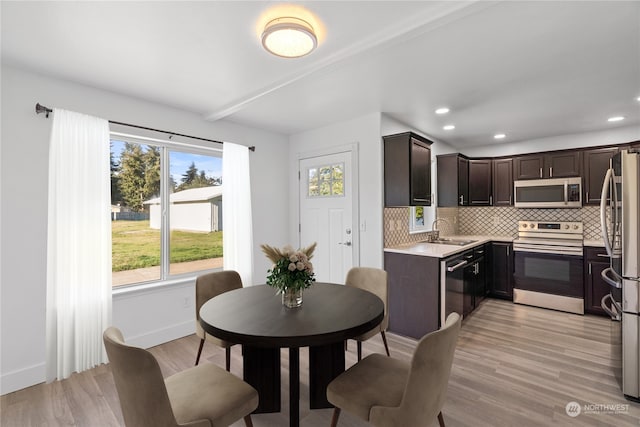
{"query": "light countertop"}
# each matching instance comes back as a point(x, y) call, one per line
point(437, 250)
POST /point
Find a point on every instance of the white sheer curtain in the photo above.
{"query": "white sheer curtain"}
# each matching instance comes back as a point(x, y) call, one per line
point(237, 228)
point(79, 243)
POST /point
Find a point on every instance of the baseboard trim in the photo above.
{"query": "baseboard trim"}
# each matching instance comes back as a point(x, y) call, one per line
point(161, 336)
point(22, 378)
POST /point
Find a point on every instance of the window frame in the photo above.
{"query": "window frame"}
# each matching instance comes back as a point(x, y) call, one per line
point(165, 146)
point(413, 226)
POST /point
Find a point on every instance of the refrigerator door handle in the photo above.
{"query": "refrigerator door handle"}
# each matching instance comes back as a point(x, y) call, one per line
point(609, 280)
point(604, 226)
point(615, 315)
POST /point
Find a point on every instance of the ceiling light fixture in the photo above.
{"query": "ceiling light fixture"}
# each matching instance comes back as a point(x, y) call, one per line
point(615, 119)
point(289, 37)
point(499, 135)
point(443, 110)
point(448, 127)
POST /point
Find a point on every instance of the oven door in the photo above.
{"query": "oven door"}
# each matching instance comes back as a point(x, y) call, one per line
point(549, 273)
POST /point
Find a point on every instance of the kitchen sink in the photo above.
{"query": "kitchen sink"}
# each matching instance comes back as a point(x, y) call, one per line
point(454, 242)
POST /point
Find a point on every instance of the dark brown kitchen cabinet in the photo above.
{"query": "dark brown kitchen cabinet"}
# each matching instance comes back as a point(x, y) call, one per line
point(453, 180)
point(414, 294)
point(480, 188)
point(501, 281)
point(595, 288)
point(502, 182)
point(596, 163)
point(558, 164)
point(407, 170)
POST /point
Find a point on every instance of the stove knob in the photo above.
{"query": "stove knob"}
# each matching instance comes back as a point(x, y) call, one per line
point(575, 227)
point(532, 225)
point(524, 225)
point(566, 226)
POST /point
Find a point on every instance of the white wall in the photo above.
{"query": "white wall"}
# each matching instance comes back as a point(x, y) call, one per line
point(148, 316)
point(618, 135)
point(365, 132)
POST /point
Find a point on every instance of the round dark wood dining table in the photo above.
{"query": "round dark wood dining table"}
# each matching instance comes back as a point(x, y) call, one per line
point(254, 317)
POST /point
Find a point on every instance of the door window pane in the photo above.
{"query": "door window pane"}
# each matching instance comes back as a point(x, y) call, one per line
point(326, 181)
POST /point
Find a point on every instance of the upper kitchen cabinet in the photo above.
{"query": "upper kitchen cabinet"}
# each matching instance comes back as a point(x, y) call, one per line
point(453, 180)
point(559, 164)
point(407, 170)
point(596, 163)
point(480, 188)
point(502, 182)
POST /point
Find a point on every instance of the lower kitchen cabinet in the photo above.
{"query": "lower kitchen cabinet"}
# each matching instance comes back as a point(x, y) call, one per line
point(414, 294)
point(501, 281)
point(595, 261)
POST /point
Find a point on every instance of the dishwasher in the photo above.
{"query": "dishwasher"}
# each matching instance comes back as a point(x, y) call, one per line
point(452, 276)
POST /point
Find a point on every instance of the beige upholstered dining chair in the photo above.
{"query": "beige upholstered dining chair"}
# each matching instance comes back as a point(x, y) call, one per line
point(208, 286)
point(387, 392)
point(201, 396)
point(373, 280)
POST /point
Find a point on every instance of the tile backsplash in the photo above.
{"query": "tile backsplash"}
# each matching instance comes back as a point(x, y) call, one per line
point(489, 220)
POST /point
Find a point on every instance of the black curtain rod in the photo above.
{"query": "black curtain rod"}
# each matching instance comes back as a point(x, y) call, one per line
point(42, 109)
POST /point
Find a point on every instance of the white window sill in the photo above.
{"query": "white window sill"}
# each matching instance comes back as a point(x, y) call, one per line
point(186, 279)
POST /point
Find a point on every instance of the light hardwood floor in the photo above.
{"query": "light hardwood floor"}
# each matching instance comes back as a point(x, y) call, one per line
point(514, 366)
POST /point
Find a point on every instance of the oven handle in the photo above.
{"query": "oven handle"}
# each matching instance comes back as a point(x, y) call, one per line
point(457, 266)
point(615, 315)
point(609, 280)
point(604, 225)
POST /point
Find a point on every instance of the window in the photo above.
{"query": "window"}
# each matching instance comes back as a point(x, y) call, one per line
point(147, 176)
point(421, 218)
point(326, 181)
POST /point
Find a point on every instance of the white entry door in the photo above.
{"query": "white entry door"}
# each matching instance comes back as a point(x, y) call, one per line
point(326, 214)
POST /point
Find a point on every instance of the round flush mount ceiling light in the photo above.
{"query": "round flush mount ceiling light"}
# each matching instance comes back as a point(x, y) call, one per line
point(615, 119)
point(289, 37)
point(448, 127)
point(499, 136)
point(442, 110)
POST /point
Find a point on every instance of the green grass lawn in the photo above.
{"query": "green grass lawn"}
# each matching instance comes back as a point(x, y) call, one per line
point(135, 245)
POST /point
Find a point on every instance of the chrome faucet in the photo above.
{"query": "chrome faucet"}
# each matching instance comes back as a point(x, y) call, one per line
point(435, 233)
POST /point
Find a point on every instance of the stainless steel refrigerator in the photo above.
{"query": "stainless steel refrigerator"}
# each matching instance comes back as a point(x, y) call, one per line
point(620, 219)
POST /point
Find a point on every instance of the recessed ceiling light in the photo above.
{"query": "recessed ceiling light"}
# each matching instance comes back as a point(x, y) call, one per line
point(499, 135)
point(448, 127)
point(638, 99)
point(442, 110)
point(615, 119)
point(289, 37)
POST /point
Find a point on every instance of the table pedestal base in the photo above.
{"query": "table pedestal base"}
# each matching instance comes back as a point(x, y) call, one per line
point(261, 368)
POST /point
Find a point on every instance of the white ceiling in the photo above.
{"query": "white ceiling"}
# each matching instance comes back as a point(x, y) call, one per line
point(528, 69)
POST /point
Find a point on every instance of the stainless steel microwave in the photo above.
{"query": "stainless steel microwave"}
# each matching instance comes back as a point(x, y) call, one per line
point(548, 193)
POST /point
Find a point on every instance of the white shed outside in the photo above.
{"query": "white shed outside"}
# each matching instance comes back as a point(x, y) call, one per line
point(196, 209)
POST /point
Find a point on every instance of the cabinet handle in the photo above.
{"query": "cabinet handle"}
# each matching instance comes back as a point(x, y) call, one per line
point(587, 197)
point(420, 200)
point(589, 269)
point(603, 255)
point(491, 200)
point(540, 172)
point(461, 199)
point(510, 200)
point(550, 172)
point(508, 248)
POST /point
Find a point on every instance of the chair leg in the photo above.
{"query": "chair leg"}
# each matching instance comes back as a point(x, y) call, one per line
point(384, 340)
point(440, 419)
point(247, 421)
point(228, 358)
point(199, 351)
point(334, 418)
point(359, 350)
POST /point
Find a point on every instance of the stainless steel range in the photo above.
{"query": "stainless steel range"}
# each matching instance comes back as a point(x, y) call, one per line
point(548, 265)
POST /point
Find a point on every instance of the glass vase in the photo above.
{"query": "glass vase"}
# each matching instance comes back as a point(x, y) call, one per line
point(292, 298)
